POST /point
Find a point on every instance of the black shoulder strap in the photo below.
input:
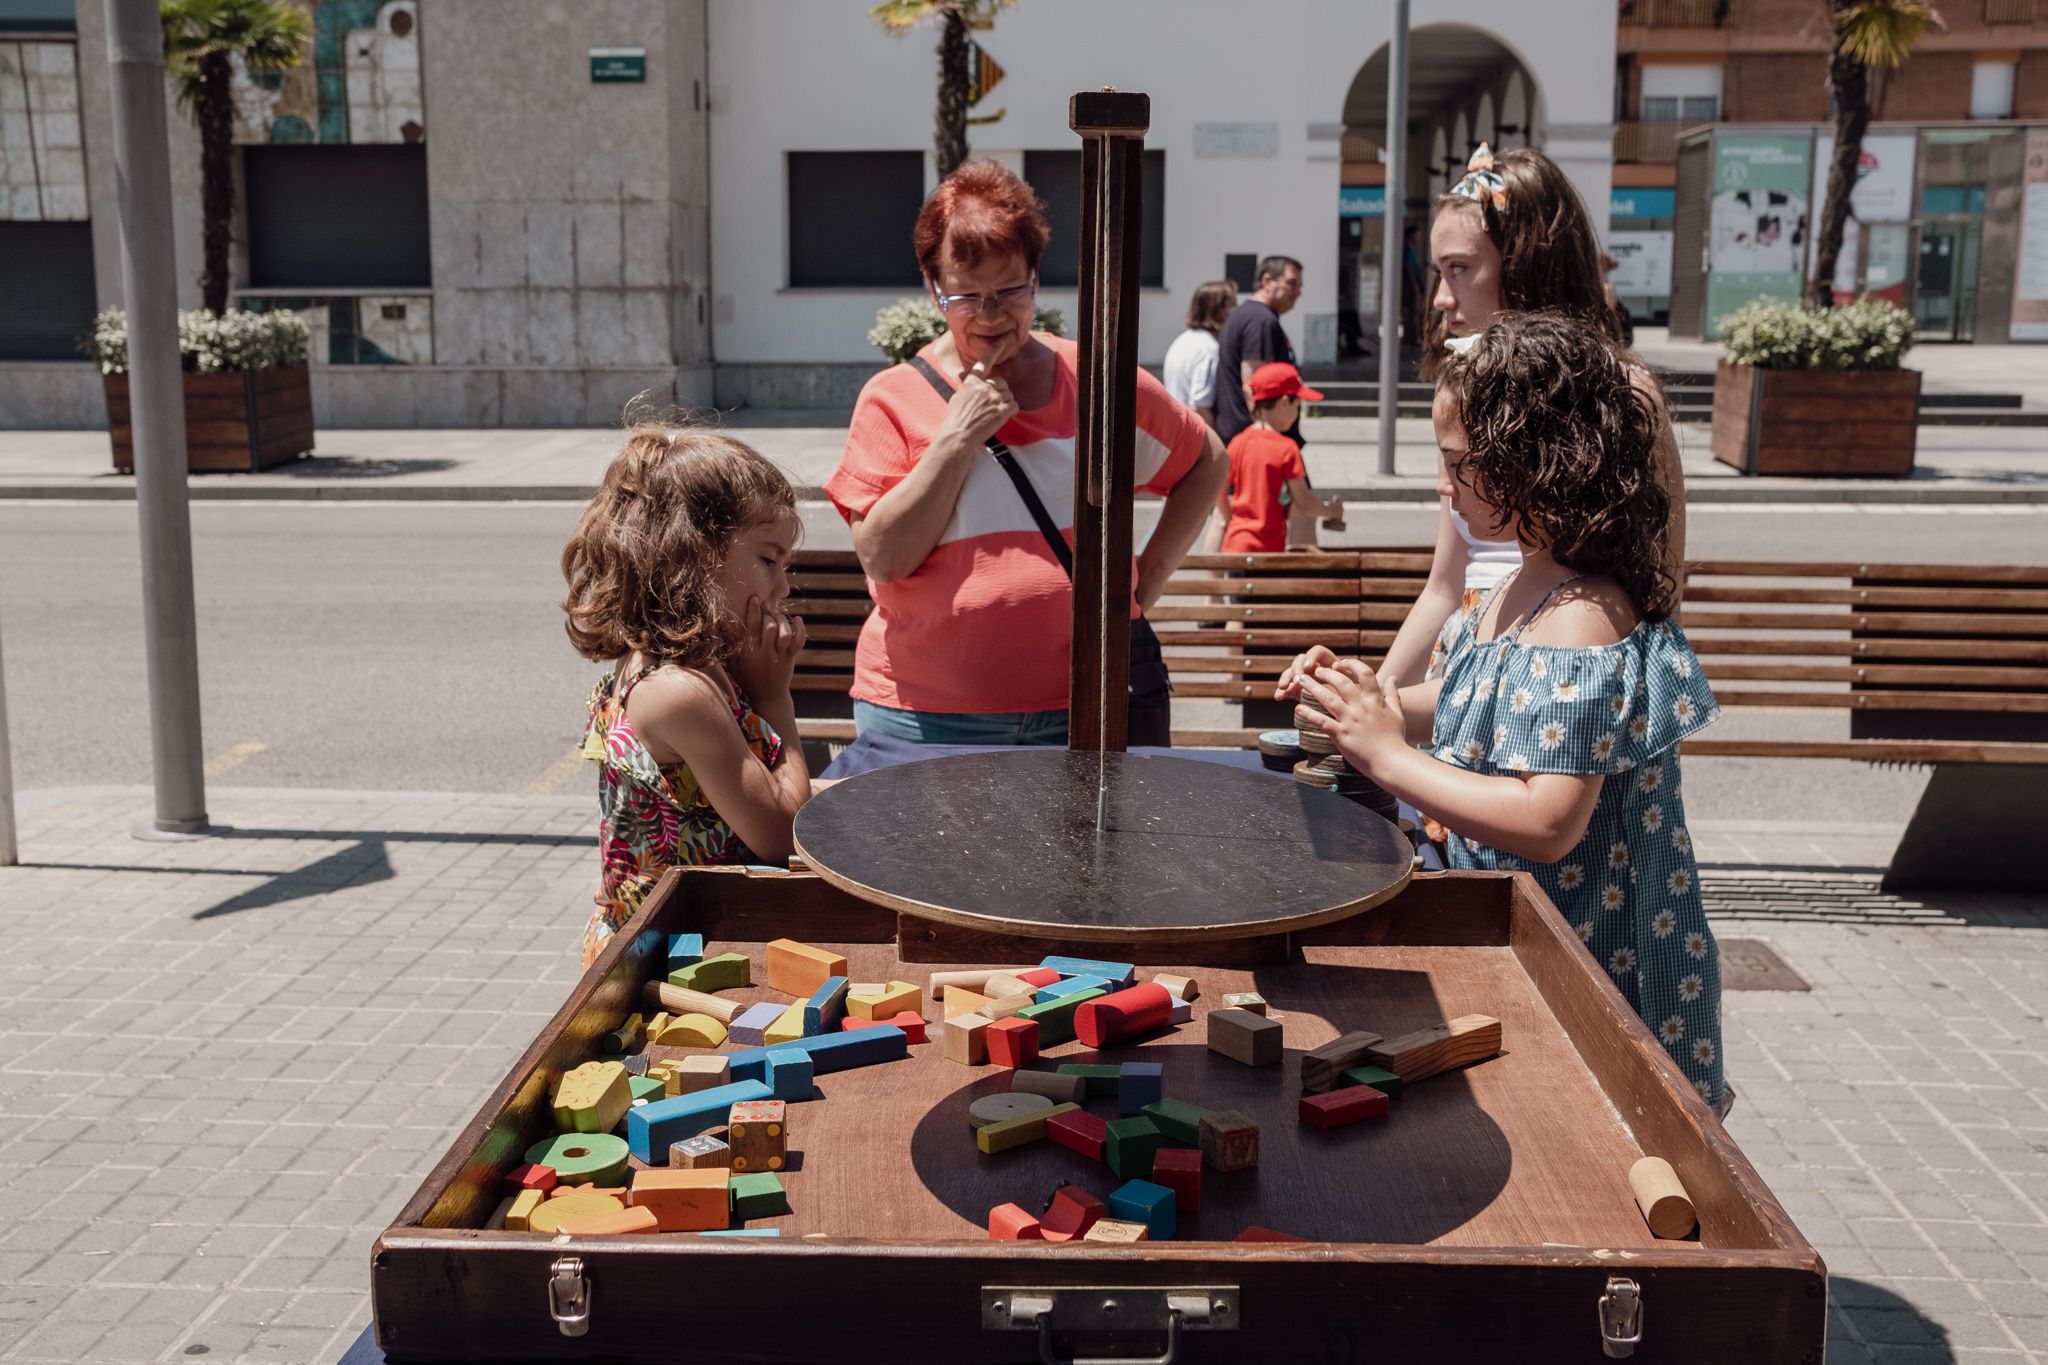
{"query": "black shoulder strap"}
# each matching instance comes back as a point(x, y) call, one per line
point(1047, 527)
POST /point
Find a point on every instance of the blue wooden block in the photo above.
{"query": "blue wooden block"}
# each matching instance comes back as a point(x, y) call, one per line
point(1118, 974)
point(750, 1023)
point(652, 1127)
point(1068, 985)
point(1138, 1084)
point(684, 949)
point(789, 1073)
point(1141, 1201)
point(742, 1232)
point(826, 1007)
point(829, 1052)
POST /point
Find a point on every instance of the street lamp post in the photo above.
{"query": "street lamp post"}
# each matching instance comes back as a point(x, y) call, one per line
point(10, 852)
point(1393, 262)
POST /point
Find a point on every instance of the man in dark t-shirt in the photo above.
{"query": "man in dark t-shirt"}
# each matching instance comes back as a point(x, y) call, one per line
point(1252, 336)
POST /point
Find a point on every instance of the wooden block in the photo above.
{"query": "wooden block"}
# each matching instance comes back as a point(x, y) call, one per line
point(1378, 1077)
point(1339, 1107)
point(1126, 1014)
point(1007, 984)
point(895, 998)
point(1005, 1105)
point(1320, 1067)
point(1141, 1201)
point(965, 1039)
point(1180, 987)
point(826, 1007)
point(658, 1023)
point(789, 1073)
point(569, 1206)
point(854, 988)
point(684, 1200)
point(616, 1193)
point(1255, 1233)
point(830, 1052)
point(610, 1224)
point(700, 1153)
point(636, 1064)
point(1012, 1042)
point(681, 1000)
point(758, 1134)
point(1068, 985)
point(685, 950)
point(646, 1088)
point(751, 1024)
point(1115, 1230)
point(787, 1028)
point(1009, 1223)
point(959, 1000)
point(1055, 1018)
point(503, 1212)
point(592, 1098)
point(1181, 1013)
point(1008, 1006)
point(692, 1030)
point(652, 1128)
point(1139, 1084)
point(911, 1024)
point(582, 1159)
point(1070, 1213)
point(1230, 1141)
point(1102, 1080)
point(519, 1218)
point(726, 972)
point(944, 983)
point(1009, 1133)
point(625, 1037)
point(1118, 974)
point(798, 969)
point(1128, 1146)
point(758, 1195)
point(1444, 1047)
point(1180, 1169)
point(1177, 1119)
point(1245, 1000)
point(1078, 1131)
point(1056, 1087)
point(1245, 1037)
point(1039, 977)
point(1666, 1207)
point(531, 1175)
point(699, 1073)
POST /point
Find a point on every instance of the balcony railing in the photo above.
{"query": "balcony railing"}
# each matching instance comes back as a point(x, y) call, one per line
point(1645, 141)
point(1687, 13)
point(2010, 11)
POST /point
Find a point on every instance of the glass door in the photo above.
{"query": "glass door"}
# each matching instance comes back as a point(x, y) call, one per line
point(1945, 299)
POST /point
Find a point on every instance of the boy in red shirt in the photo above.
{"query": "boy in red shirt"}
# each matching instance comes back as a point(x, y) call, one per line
point(1266, 472)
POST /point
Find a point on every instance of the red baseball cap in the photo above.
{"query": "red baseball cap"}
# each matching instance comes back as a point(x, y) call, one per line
point(1278, 379)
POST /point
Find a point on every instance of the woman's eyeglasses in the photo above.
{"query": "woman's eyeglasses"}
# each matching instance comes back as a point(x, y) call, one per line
point(968, 305)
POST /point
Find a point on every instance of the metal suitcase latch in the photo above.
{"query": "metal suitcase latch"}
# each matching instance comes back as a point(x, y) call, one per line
point(1621, 1318)
point(569, 1296)
point(1071, 1309)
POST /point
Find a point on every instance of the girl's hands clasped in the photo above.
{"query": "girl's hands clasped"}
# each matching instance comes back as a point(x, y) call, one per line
point(765, 664)
point(1365, 718)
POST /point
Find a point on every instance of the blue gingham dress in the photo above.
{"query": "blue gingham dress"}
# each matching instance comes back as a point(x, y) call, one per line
point(1631, 886)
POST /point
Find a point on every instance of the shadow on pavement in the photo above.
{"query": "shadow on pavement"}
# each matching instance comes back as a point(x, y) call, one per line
point(1867, 1322)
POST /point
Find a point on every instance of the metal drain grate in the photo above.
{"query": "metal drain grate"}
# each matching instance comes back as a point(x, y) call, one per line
point(1748, 964)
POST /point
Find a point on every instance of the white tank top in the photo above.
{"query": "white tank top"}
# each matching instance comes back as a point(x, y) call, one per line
point(1487, 562)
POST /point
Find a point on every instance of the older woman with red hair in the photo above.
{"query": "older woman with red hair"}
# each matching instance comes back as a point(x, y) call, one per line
point(968, 642)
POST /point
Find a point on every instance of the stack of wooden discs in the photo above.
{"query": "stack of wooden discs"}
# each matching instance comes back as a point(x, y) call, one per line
point(1326, 768)
point(1280, 750)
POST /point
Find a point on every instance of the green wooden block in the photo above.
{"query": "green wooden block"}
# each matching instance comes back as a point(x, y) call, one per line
point(1130, 1146)
point(759, 1195)
point(645, 1087)
point(1178, 1120)
point(1097, 1082)
point(1378, 1077)
point(1055, 1018)
point(727, 971)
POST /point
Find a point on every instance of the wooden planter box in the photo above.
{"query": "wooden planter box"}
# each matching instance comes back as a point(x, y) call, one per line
point(239, 422)
point(1855, 424)
point(1483, 1221)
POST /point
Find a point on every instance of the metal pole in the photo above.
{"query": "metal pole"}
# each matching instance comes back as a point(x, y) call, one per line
point(135, 58)
point(1393, 264)
point(10, 852)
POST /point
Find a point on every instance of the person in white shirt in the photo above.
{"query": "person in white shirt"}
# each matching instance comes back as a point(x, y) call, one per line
point(1190, 370)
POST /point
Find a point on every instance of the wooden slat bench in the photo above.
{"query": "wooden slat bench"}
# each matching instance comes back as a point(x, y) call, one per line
point(1945, 665)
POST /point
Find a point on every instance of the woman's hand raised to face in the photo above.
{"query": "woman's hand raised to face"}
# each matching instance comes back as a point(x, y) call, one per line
point(981, 404)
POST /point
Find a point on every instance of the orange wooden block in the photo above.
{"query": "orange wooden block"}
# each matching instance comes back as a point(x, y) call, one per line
point(684, 1200)
point(1009, 1223)
point(911, 1024)
point(611, 1224)
point(799, 969)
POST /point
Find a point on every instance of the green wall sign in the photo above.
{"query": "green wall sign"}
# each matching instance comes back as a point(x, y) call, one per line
point(615, 65)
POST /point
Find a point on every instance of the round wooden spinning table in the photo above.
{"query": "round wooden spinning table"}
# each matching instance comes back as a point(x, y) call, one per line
point(1007, 842)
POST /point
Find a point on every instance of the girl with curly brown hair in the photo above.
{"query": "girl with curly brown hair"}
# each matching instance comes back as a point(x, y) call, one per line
point(1565, 693)
point(678, 572)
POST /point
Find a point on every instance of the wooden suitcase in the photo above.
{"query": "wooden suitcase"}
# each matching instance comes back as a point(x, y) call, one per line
point(1488, 1218)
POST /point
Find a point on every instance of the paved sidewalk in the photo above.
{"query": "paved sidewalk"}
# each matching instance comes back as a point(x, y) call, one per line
point(228, 1063)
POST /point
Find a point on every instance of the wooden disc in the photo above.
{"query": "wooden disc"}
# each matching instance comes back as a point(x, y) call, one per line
point(1011, 1104)
point(1006, 842)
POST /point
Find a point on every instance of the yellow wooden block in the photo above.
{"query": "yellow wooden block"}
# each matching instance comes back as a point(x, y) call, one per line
point(658, 1023)
point(592, 1098)
point(580, 1202)
point(788, 1028)
point(611, 1223)
point(692, 1030)
point(959, 1000)
point(887, 1002)
point(666, 1073)
point(799, 969)
point(520, 1217)
point(1007, 1133)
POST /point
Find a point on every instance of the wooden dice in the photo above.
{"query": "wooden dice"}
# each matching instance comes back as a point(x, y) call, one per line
point(756, 1132)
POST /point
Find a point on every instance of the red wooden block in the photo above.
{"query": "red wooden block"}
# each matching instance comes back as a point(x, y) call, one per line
point(1255, 1233)
point(910, 1022)
point(1012, 1042)
point(1073, 1211)
point(1337, 1107)
point(1008, 1223)
point(1077, 1130)
point(531, 1176)
point(1125, 1014)
point(1039, 976)
point(1180, 1170)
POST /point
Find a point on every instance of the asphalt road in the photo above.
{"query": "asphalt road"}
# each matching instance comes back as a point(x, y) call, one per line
point(419, 646)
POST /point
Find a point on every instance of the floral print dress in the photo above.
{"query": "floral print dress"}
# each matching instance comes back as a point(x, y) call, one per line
point(1631, 886)
point(652, 816)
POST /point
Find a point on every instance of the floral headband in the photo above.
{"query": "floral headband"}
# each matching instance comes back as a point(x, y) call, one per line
point(1482, 183)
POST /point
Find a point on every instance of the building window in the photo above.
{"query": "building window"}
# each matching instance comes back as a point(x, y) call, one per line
point(1684, 92)
point(850, 217)
point(1057, 178)
point(38, 16)
point(46, 277)
point(1991, 88)
point(1686, 109)
point(337, 217)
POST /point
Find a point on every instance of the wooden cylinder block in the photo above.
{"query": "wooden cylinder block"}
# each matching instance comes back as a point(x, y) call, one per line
point(1666, 1207)
point(1126, 1014)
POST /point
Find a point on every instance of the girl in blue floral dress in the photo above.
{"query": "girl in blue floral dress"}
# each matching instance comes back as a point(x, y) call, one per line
point(1555, 726)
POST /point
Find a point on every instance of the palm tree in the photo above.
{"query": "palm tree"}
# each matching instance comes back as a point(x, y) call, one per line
point(1862, 34)
point(200, 39)
point(949, 135)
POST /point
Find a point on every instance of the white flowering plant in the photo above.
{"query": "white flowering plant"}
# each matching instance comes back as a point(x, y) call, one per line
point(1869, 334)
point(907, 326)
point(210, 344)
